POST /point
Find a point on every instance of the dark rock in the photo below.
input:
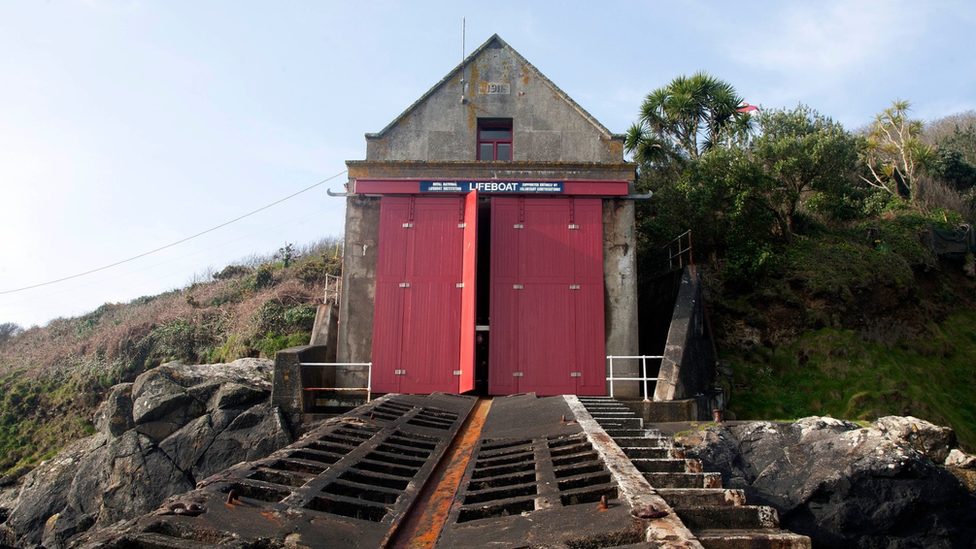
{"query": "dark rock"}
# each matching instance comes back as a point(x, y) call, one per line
point(114, 415)
point(63, 526)
point(843, 485)
point(266, 431)
point(45, 491)
point(160, 405)
point(122, 473)
point(231, 395)
point(186, 446)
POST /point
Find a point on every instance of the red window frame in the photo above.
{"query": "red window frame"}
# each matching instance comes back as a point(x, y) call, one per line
point(496, 134)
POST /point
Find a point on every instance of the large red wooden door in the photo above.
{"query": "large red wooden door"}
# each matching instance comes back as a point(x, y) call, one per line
point(590, 352)
point(388, 307)
point(417, 313)
point(547, 326)
point(547, 310)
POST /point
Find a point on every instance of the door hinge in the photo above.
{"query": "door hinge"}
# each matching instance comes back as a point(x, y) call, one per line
point(574, 286)
point(576, 374)
point(407, 225)
point(457, 372)
point(518, 287)
point(459, 285)
point(518, 226)
point(399, 372)
point(516, 374)
point(573, 227)
point(404, 284)
point(462, 225)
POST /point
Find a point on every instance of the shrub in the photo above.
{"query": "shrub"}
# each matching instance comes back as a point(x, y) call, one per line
point(271, 343)
point(232, 271)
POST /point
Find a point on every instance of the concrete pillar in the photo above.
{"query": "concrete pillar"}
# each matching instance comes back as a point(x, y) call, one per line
point(620, 285)
point(355, 340)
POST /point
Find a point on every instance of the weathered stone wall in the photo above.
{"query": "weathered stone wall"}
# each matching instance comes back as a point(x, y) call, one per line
point(499, 83)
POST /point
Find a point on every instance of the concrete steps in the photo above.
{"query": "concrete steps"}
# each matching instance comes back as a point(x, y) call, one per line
point(720, 518)
point(752, 539)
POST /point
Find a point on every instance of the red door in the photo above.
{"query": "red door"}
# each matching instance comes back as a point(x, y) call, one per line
point(388, 308)
point(504, 365)
point(590, 366)
point(417, 313)
point(469, 294)
point(547, 326)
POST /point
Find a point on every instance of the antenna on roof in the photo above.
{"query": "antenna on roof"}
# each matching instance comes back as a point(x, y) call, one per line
point(462, 60)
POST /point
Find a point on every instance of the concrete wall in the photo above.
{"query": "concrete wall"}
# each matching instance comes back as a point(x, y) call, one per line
point(688, 366)
point(547, 125)
point(358, 279)
point(620, 290)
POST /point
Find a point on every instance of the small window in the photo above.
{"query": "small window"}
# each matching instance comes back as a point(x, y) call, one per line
point(495, 140)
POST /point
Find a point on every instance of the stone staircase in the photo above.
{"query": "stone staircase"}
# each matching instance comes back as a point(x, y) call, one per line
point(720, 518)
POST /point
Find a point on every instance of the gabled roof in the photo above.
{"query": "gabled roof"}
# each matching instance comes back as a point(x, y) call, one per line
point(494, 40)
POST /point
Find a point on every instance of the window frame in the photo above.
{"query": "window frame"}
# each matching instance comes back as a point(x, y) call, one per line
point(495, 124)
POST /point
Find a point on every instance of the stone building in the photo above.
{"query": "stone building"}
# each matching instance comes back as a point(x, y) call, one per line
point(490, 240)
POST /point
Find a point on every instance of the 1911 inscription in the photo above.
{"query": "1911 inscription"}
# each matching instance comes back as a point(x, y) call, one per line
point(493, 88)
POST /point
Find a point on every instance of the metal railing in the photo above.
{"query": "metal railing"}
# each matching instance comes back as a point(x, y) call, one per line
point(678, 249)
point(369, 376)
point(643, 378)
point(333, 288)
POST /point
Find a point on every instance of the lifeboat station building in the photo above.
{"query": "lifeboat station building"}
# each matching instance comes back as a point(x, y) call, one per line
point(489, 240)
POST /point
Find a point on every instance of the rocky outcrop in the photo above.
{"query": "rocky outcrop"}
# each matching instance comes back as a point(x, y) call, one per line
point(843, 485)
point(175, 425)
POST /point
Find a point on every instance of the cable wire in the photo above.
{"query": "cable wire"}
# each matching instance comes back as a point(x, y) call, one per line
point(161, 248)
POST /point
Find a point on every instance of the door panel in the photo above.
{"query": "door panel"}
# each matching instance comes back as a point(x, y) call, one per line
point(589, 299)
point(388, 302)
point(504, 338)
point(469, 294)
point(547, 332)
point(432, 306)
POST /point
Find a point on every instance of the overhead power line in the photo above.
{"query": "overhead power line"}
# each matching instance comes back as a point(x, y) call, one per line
point(161, 248)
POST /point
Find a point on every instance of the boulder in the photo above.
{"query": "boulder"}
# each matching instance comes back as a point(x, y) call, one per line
point(957, 458)
point(114, 415)
point(186, 446)
point(843, 485)
point(254, 434)
point(156, 437)
point(160, 406)
point(932, 440)
point(44, 492)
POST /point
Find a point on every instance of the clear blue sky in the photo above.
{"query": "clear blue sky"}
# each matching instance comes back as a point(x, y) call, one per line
point(128, 125)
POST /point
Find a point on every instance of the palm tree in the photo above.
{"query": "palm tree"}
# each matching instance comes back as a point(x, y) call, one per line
point(687, 117)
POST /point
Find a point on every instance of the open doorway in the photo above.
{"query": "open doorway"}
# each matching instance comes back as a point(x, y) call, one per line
point(482, 324)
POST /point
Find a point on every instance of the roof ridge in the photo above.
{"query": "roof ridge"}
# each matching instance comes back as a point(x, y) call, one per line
point(473, 55)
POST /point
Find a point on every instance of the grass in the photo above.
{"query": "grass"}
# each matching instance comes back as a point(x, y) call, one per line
point(834, 372)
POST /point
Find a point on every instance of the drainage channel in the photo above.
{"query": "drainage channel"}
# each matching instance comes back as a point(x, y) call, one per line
point(422, 527)
point(346, 483)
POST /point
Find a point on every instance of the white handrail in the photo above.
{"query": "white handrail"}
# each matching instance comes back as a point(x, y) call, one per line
point(369, 375)
point(644, 378)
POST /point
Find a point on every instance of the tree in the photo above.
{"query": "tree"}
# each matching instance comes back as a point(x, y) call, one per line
point(803, 152)
point(895, 153)
point(685, 118)
point(7, 331)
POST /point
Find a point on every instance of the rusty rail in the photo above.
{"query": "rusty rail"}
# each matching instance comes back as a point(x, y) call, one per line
point(677, 249)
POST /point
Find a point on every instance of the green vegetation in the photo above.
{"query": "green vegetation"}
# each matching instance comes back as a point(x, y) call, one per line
point(835, 372)
point(824, 290)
